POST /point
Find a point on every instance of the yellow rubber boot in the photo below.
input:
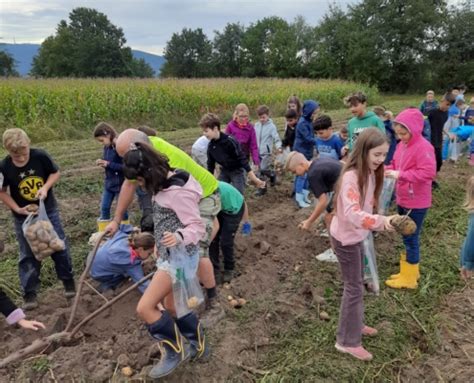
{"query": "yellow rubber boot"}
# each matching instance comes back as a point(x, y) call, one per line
point(102, 224)
point(125, 222)
point(407, 279)
point(403, 258)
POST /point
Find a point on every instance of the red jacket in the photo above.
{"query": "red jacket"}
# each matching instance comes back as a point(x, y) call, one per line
point(416, 163)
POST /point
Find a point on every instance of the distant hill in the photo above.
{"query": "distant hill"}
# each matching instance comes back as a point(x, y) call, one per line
point(24, 53)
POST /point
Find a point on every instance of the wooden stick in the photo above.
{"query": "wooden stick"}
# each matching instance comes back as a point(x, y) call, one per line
point(252, 370)
point(411, 314)
point(95, 291)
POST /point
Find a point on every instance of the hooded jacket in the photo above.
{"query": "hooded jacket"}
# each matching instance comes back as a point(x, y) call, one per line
point(304, 137)
point(267, 136)
point(246, 138)
point(415, 162)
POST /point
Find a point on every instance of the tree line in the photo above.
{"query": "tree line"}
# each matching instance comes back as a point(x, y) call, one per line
point(397, 45)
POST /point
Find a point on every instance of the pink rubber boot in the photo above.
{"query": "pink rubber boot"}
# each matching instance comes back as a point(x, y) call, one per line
point(358, 352)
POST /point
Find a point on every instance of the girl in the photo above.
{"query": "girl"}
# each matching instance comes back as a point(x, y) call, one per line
point(244, 133)
point(112, 163)
point(467, 251)
point(16, 315)
point(178, 230)
point(359, 186)
point(120, 258)
point(294, 103)
point(414, 168)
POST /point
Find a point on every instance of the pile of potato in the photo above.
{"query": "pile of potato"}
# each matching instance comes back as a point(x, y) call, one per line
point(43, 240)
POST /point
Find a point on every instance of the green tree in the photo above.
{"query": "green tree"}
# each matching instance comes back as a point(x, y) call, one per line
point(227, 52)
point(7, 65)
point(188, 54)
point(89, 46)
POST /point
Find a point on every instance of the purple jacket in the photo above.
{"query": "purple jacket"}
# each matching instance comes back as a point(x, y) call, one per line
point(247, 139)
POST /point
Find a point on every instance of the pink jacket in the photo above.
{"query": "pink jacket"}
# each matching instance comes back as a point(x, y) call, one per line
point(184, 201)
point(416, 163)
point(247, 139)
point(352, 222)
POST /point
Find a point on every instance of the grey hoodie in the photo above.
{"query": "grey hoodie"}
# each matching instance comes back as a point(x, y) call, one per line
point(267, 135)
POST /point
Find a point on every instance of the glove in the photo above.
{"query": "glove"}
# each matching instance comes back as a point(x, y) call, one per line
point(246, 229)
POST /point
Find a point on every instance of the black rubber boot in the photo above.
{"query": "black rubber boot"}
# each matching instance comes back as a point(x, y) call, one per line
point(174, 351)
point(192, 330)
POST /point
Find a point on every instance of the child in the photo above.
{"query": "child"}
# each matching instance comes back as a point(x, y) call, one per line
point(225, 150)
point(294, 103)
point(291, 117)
point(233, 208)
point(359, 186)
point(414, 168)
point(391, 136)
point(467, 250)
point(14, 315)
point(304, 144)
point(453, 122)
point(322, 177)
point(469, 121)
point(267, 137)
point(178, 230)
point(199, 151)
point(120, 257)
point(244, 133)
point(328, 144)
point(30, 175)
point(429, 103)
point(112, 163)
point(357, 103)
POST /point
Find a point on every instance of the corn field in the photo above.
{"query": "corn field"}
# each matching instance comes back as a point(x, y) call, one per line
point(69, 108)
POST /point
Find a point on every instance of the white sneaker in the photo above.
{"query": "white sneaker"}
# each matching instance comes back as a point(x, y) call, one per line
point(327, 256)
point(323, 233)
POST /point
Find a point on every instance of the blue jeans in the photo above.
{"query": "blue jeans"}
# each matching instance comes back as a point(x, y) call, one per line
point(30, 268)
point(106, 203)
point(412, 242)
point(301, 183)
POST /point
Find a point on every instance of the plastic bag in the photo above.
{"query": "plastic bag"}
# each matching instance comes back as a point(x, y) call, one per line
point(40, 234)
point(454, 149)
point(280, 160)
point(386, 195)
point(371, 264)
point(187, 292)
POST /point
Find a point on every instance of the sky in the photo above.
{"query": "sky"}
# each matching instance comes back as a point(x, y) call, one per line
point(149, 24)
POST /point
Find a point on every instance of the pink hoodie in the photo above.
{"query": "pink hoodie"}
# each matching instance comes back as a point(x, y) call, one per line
point(416, 163)
point(353, 221)
point(247, 139)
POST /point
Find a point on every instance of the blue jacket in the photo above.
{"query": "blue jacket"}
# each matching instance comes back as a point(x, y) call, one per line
point(113, 260)
point(304, 137)
point(113, 171)
point(467, 251)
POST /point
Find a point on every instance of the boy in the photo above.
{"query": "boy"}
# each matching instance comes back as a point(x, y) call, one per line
point(429, 103)
point(322, 174)
point(291, 117)
point(232, 211)
point(437, 119)
point(267, 137)
point(225, 151)
point(30, 175)
point(328, 144)
point(357, 103)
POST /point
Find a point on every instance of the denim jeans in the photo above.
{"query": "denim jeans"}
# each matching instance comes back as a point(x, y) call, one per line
point(234, 177)
point(412, 242)
point(30, 268)
point(106, 203)
point(301, 183)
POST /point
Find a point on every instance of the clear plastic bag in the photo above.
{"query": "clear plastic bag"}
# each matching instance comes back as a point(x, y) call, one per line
point(40, 234)
point(386, 195)
point(454, 149)
point(187, 292)
point(371, 274)
point(280, 160)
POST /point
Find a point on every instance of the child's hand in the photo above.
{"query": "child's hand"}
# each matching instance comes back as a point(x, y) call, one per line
point(169, 239)
point(101, 163)
point(387, 225)
point(42, 193)
point(344, 151)
point(31, 324)
point(22, 211)
point(392, 174)
point(305, 225)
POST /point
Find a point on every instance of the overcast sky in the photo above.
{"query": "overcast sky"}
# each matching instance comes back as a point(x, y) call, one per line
point(149, 24)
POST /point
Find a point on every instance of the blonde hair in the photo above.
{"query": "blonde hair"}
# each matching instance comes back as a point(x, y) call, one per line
point(469, 204)
point(430, 92)
point(241, 108)
point(15, 139)
point(144, 240)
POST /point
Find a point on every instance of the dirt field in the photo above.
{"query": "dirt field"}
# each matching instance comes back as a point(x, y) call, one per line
point(427, 335)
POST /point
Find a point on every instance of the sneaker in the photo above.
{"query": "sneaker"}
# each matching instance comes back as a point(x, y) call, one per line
point(246, 229)
point(213, 313)
point(30, 302)
point(327, 256)
point(273, 179)
point(369, 331)
point(357, 352)
point(228, 276)
point(261, 192)
point(323, 233)
point(69, 288)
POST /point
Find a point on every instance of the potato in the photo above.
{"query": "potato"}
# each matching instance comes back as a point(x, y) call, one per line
point(241, 301)
point(43, 246)
point(193, 302)
point(43, 235)
point(34, 249)
point(127, 371)
point(46, 225)
point(31, 208)
point(403, 224)
point(57, 244)
point(30, 234)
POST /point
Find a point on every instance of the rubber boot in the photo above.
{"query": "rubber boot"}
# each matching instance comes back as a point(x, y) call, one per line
point(306, 196)
point(174, 351)
point(407, 279)
point(102, 224)
point(403, 262)
point(191, 328)
point(125, 222)
point(299, 197)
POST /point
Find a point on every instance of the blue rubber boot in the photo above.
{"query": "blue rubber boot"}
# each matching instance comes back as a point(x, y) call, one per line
point(191, 328)
point(299, 197)
point(173, 350)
